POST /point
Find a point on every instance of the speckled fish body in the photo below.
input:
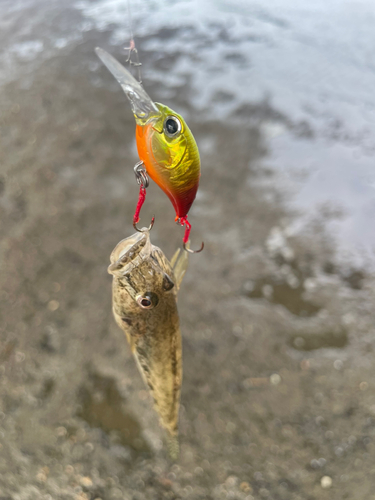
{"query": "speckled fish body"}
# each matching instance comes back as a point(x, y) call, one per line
point(144, 292)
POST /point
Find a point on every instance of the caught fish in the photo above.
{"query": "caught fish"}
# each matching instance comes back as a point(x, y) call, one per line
point(166, 146)
point(144, 293)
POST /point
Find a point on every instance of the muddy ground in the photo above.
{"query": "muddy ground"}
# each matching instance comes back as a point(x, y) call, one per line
point(278, 396)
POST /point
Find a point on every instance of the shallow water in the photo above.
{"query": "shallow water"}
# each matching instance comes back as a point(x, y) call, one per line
point(276, 313)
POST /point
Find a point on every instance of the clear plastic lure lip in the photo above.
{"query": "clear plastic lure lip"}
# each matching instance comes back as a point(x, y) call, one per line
point(142, 106)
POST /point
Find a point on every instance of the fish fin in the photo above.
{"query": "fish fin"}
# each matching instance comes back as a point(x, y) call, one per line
point(130, 340)
point(131, 343)
point(175, 256)
point(173, 446)
point(180, 266)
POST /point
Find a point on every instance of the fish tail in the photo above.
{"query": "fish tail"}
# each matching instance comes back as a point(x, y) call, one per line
point(173, 446)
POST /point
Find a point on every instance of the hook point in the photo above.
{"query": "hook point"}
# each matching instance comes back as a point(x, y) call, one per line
point(148, 228)
point(189, 250)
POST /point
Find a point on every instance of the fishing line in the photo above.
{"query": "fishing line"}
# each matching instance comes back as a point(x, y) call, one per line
point(132, 48)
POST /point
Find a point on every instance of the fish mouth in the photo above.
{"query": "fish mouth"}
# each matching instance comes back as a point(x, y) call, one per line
point(130, 253)
point(142, 105)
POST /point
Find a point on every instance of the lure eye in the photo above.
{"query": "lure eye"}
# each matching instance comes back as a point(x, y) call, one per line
point(147, 301)
point(172, 126)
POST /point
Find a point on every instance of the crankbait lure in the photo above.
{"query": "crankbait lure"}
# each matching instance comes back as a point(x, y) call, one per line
point(166, 147)
point(144, 293)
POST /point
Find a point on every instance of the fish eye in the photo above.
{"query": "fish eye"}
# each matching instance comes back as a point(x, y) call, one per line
point(147, 301)
point(172, 126)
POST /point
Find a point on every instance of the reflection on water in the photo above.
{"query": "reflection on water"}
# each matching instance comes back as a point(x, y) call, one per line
point(313, 63)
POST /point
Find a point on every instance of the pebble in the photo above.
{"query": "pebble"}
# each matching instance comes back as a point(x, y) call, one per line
point(275, 379)
point(86, 482)
point(245, 487)
point(231, 481)
point(41, 477)
point(53, 305)
point(326, 482)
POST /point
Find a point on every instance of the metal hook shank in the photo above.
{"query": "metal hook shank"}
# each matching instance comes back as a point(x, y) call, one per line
point(143, 181)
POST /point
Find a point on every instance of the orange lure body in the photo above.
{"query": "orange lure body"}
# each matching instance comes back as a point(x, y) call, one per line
point(172, 162)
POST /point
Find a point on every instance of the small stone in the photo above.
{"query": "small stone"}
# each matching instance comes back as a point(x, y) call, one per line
point(53, 305)
point(245, 487)
point(309, 284)
point(314, 463)
point(86, 482)
point(231, 481)
point(339, 451)
point(20, 356)
point(363, 386)
point(81, 496)
point(275, 379)
point(237, 329)
point(326, 482)
point(41, 477)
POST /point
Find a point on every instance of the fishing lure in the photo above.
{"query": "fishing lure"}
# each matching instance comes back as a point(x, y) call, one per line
point(144, 298)
point(166, 147)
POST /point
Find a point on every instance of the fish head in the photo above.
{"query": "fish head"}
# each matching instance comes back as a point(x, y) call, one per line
point(144, 273)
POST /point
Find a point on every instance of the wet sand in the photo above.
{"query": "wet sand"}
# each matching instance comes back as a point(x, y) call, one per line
point(278, 396)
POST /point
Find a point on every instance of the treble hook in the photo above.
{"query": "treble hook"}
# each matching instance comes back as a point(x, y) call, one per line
point(143, 181)
point(184, 222)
